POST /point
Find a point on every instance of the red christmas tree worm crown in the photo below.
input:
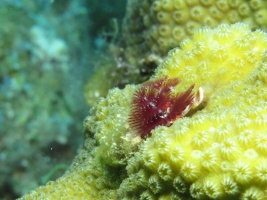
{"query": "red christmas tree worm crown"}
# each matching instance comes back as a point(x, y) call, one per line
point(154, 105)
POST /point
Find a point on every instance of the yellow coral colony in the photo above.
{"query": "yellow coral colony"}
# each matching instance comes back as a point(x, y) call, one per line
point(168, 22)
point(218, 152)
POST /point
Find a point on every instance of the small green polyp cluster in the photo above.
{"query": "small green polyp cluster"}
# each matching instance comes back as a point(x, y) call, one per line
point(109, 123)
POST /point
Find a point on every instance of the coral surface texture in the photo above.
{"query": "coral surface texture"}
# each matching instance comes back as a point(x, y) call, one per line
point(163, 24)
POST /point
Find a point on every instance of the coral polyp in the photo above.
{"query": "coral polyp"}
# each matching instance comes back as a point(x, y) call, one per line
point(154, 105)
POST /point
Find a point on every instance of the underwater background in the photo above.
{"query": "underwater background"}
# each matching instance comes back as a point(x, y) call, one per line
point(202, 139)
point(48, 50)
